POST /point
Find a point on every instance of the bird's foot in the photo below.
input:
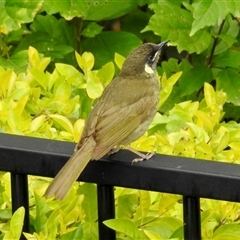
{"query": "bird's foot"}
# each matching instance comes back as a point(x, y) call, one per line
point(143, 157)
point(114, 150)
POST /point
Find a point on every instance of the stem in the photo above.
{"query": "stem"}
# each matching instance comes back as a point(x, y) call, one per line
point(4, 47)
point(79, 30)
point(215, 41)
point(143, 224)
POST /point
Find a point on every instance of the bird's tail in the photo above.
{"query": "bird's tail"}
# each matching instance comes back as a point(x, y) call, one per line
point(63, 181)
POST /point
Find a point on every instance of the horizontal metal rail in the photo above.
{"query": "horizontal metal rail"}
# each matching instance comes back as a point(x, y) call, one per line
point(191, 178)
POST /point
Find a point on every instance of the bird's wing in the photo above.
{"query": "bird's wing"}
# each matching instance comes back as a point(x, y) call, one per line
point(116, 124)
point(118, 113)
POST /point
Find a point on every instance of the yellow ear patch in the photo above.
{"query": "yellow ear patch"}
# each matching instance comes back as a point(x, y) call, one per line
point(148, 69)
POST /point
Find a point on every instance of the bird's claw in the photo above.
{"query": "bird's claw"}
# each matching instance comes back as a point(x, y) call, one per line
point(144, 157)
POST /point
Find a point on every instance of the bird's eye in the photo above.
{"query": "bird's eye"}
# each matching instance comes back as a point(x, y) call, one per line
point(152, 57)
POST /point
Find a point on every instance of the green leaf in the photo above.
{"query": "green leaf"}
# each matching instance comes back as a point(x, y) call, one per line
point(192, 80)
point(228, 81)
point(92, 30)
point(227, 36)
point(126, 227)
point(173, 98)
point(48, 24)
point(172, 66)
point(207, 13)
point(106, 44)
point(45, 44)
point(227, 232)
point(59, 31)
point(15, 13)
point(174, 23)
point(18, 62)
point(230, 58)
point(90, 10)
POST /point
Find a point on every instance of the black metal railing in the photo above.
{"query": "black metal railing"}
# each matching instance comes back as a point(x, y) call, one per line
point(191, 178)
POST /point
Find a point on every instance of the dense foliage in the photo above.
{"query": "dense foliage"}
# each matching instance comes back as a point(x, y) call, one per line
point(56, 57)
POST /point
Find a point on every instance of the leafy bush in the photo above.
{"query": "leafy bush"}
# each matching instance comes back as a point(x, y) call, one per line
point(47, 90)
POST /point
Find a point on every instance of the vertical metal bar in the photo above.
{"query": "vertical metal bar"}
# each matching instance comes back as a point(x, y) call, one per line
point(106, 210)
point(19, 189)
point(192, 218)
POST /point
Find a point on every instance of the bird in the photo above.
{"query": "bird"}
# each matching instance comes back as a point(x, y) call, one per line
point(121, 115)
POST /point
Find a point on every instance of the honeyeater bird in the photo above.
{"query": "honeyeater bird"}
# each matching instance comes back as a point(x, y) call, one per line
point(121, 115)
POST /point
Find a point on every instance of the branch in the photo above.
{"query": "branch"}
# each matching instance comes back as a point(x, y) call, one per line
point(215, 41)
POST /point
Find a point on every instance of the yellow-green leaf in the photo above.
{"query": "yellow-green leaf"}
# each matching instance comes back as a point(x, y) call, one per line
point(166, 202)
point(8, 79)
point(203, 120)
point(63, 91)
point(94, 86)
point(209, 94)
point(78, 128)
point(36, 61)
point(145, 202)
point(86, 61)
point(37, 123)
point(119, 60)
point(220, 139)
point(152, 235)
point(16, 225)
point(126, 227)
point(106, 73)
point(40, 77)
point(63, 122)
point(166, 86)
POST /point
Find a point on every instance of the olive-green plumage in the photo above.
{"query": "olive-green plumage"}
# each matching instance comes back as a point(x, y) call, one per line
point(121, 115)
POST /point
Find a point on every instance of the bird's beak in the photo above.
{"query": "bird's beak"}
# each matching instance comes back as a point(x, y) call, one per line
point(160, 45)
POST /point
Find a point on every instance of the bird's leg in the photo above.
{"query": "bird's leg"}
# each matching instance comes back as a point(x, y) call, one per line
point(114, 150)
point(142, 156)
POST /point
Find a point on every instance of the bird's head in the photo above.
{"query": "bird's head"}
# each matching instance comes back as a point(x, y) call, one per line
point(142, 60)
